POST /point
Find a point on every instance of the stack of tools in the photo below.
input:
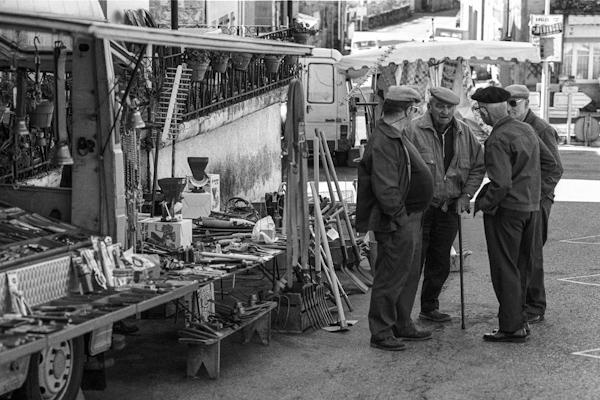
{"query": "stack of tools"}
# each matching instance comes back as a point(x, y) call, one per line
point(315, 304)
point(296, 214)
point(337, 216)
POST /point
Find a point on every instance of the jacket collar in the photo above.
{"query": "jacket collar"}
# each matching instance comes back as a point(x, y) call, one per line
point(389, 131)
point(503, 121)
point(426, 122)
point(529, 117)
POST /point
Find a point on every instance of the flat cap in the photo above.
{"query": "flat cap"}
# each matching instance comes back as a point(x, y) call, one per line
point(518, 91)
point(491, 94)
point(402, 93)
point(445, 95)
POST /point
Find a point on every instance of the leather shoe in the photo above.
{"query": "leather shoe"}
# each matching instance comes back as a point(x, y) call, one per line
point(535, 318)
point(390, 343)
point(518, 336)
point(411, 333)
point(434, 316)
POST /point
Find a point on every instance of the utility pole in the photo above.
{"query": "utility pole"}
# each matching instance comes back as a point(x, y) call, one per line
point(544, 103)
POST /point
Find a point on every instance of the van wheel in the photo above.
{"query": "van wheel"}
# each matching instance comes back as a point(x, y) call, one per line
point(341, 158)
point(54, 373)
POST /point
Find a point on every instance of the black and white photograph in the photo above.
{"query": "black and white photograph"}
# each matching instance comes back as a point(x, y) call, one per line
point(299, 199)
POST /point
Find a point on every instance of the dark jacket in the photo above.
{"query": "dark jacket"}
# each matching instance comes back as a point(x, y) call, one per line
point(549, 136)
point(512, 161)
point(383, 181)
point(466, 170)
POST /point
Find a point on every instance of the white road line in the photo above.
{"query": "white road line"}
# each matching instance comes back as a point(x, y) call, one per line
point(585, 353)
point(572, 280)
point(579, 240)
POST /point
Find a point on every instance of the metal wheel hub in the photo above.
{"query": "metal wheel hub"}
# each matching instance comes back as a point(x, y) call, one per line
point(55, 370)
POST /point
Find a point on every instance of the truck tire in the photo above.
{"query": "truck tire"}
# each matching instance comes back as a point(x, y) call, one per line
point(341, 158)
point(42, 382)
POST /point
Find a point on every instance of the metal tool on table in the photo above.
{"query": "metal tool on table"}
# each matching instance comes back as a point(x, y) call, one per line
point(172, 189)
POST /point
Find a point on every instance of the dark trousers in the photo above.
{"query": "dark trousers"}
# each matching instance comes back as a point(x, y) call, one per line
point(439, 232)
point(536, 291)
point(510, 237)
point(397, 271)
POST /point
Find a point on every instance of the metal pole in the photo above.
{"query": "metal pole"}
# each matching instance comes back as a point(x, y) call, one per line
point(544, 103)
point(174, 15)
point(174, 26)
point(569, 111)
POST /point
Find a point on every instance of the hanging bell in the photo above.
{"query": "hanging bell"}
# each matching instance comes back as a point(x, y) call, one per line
point(62, 156)
point(21, 127)
point(135, 120)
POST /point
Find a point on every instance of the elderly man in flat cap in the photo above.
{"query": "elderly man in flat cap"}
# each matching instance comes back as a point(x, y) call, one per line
point(510, 202)
point(394, 187)
point(518, 108)
point(455, 159)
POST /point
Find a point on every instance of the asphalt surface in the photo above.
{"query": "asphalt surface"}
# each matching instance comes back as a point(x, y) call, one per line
point(561, 359)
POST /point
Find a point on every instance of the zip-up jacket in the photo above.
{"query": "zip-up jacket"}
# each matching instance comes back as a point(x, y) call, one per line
point(466, 170)
point(515, 160)
point(549, 136)
point(383, 181)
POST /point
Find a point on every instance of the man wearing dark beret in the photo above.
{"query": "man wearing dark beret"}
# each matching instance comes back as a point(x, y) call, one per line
point(518, 108)
point(510, 202)
point(394, 187)
point(455, 159)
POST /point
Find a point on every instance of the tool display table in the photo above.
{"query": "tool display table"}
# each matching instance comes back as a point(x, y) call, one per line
point(208, 352)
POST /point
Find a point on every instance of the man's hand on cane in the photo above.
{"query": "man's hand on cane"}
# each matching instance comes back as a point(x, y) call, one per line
point(463, 204)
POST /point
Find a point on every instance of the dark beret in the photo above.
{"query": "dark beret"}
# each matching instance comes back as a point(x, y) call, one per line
point(491, 94)
point(445, 95)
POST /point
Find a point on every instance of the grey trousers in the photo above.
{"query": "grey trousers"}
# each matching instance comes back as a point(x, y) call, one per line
point(536, 291)
point(511, 241)
point(397, 273)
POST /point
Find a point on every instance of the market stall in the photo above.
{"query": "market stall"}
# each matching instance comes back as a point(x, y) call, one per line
point(94, 258)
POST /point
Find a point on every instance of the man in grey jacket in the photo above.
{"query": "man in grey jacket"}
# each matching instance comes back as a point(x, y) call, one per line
point(394, 187)
point(455, 159)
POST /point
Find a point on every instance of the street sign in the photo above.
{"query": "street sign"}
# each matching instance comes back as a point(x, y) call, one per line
point(546, 32)
point(578, 100)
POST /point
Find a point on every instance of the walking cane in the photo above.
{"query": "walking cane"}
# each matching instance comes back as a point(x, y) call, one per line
point(460, 258)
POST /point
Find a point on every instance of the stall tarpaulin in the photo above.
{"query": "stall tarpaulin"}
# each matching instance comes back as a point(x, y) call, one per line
point(473, 50)
point(437, 63)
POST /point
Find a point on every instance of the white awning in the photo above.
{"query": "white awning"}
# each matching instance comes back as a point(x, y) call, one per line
point(474, 50)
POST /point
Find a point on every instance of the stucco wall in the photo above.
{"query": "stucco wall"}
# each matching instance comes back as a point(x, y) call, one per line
point(243, 143)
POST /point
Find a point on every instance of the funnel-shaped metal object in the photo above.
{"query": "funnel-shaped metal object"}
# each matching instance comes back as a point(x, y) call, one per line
point(198, 165)
point(172, 188)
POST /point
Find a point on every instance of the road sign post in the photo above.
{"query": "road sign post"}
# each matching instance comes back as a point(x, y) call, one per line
point(546, 30)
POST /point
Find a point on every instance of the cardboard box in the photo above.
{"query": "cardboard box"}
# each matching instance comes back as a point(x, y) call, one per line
point(215, 191)
point(196, 204)
point(206, 300)
point(169, 234)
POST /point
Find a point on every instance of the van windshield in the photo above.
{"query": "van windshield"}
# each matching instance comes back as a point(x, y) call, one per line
point(320, 83)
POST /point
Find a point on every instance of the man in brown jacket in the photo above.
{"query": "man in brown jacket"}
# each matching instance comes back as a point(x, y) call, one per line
point(394, 187)
point(455, 159)
point(518, 108)
point(510, 202)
